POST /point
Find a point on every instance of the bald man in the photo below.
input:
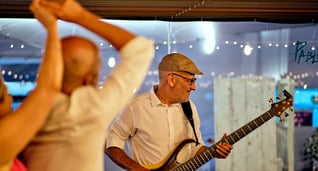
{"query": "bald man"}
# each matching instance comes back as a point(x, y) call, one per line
point(73, 136)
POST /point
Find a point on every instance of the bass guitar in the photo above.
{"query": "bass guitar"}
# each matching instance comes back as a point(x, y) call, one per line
point(277, 109)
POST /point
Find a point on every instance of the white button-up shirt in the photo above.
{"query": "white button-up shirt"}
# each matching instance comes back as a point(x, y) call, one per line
point(73, 137)
point(153, 130)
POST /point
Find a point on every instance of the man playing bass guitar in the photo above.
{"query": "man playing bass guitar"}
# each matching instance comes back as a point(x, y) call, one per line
point(156, 124)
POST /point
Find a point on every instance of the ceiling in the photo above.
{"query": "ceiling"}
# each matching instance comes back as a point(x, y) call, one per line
point(283, 11)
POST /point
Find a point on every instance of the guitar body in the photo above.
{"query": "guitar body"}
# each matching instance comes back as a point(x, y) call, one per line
point(171, 162)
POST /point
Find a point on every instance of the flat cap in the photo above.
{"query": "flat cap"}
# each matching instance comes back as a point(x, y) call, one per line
point(178, 62)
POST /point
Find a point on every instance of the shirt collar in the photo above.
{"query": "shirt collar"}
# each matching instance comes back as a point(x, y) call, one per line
point(155, 100)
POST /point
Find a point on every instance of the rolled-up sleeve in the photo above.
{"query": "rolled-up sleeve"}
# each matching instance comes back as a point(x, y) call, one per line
point(120, 130)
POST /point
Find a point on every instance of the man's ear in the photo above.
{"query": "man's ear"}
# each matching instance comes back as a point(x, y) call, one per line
point(171, 80)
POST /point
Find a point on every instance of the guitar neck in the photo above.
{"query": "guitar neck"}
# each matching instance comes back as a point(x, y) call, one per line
point(198, 160)
point(246, 129)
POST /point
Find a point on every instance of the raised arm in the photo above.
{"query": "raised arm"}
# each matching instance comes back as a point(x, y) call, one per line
point(136, 52)
point(117, 36)
point(19, 127)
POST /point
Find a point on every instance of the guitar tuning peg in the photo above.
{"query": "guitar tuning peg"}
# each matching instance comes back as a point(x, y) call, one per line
point(279, 97)
point(286, 114)
point(270, 100)
point(282, 120)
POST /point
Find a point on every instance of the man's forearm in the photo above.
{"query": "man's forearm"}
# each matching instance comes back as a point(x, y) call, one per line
point(119, 156)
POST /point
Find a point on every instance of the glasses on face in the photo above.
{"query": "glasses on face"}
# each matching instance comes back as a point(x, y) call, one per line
point(189, 80)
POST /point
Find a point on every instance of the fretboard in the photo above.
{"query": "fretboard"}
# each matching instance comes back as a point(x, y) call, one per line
point(199, 160)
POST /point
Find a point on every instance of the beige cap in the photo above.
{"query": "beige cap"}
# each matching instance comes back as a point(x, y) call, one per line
point(178, 62)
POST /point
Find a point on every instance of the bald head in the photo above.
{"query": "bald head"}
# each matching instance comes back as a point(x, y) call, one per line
point(81, 61)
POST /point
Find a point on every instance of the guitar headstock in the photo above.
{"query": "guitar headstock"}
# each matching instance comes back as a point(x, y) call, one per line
point(279, 108)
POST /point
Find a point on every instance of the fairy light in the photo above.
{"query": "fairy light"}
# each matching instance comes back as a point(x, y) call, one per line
point(190, 8)
point(299, 78)
point(111, 62)
point(248, 50)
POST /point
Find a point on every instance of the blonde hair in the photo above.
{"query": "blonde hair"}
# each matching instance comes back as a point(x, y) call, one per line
point(2, 86)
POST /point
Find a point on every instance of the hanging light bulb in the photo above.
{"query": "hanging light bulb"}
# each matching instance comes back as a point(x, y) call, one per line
point(248, 50)
point(111, 62)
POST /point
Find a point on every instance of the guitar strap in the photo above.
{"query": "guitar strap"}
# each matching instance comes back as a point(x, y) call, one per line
point(186, 107)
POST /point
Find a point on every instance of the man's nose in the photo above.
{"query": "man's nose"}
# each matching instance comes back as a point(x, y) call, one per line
point(193, 86)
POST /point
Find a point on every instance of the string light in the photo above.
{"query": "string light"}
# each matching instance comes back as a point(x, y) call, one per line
point(190, 8)
point(299, 78)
